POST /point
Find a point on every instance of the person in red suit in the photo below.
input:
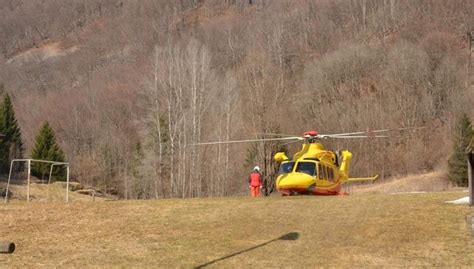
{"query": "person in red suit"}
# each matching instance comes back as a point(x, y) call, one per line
point(255, 182)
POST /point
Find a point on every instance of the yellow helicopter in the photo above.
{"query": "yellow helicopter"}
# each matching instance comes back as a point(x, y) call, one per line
point(315, 170)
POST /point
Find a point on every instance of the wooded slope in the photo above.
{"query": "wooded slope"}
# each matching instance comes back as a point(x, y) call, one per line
point(130, 85)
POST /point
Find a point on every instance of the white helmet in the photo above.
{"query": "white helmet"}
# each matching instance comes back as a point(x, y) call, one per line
point(256, 168)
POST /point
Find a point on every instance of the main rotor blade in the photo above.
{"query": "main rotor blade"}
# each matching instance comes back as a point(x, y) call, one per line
point(355, 136)
point(275, 134)
point(376, 131)
point(249, 140)
point(289, 143)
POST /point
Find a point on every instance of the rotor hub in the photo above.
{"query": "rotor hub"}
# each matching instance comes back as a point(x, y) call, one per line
point(311, 136)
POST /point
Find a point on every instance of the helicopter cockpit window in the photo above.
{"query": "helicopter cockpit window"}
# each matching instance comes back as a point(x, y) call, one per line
point(306, 167)
point(286, 167)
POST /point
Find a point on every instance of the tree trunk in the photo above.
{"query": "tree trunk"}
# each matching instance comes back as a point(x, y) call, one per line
point(392, 9)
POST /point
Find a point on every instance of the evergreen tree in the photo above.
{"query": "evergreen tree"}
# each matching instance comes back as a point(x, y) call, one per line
point(11, 146)
point(457, 164)
point(46, 148)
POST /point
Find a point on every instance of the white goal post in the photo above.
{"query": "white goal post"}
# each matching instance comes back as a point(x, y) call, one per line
point(28, 161)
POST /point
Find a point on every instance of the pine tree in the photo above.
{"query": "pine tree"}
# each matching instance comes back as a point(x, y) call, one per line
point(457, 165)
point(46, 148)
point(11, 146)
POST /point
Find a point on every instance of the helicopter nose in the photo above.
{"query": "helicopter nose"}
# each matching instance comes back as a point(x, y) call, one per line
point(295, 181)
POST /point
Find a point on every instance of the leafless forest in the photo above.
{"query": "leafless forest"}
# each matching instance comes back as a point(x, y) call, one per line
point(129, 86)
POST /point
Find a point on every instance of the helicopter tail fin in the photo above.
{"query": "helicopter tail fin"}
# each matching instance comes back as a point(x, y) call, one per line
point(346, 162)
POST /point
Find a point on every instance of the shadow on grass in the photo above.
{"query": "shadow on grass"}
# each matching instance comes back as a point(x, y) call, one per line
point(286, 237)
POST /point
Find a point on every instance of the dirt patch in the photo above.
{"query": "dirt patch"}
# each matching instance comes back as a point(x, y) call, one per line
point(45, 51)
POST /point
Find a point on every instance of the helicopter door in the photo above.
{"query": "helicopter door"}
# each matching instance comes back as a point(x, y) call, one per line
point(325, 173)
point(320, 171)
point(330, 173)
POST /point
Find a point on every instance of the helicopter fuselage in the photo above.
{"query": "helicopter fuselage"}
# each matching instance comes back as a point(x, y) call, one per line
point(309, 177)
point(313, 170)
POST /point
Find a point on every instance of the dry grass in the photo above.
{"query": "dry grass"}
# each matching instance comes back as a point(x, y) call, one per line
point(55, 192)
point(360, 230)
point(430, 182)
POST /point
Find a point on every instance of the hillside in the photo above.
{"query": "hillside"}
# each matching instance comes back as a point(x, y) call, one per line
point(128, 86)
point(364, 230)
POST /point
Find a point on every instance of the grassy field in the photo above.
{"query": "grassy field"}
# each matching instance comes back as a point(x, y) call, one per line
point(358, 230)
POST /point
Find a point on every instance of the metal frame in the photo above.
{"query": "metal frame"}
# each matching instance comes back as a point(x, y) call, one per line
point(470, 153)
point(29, 176)
point(470, 164)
